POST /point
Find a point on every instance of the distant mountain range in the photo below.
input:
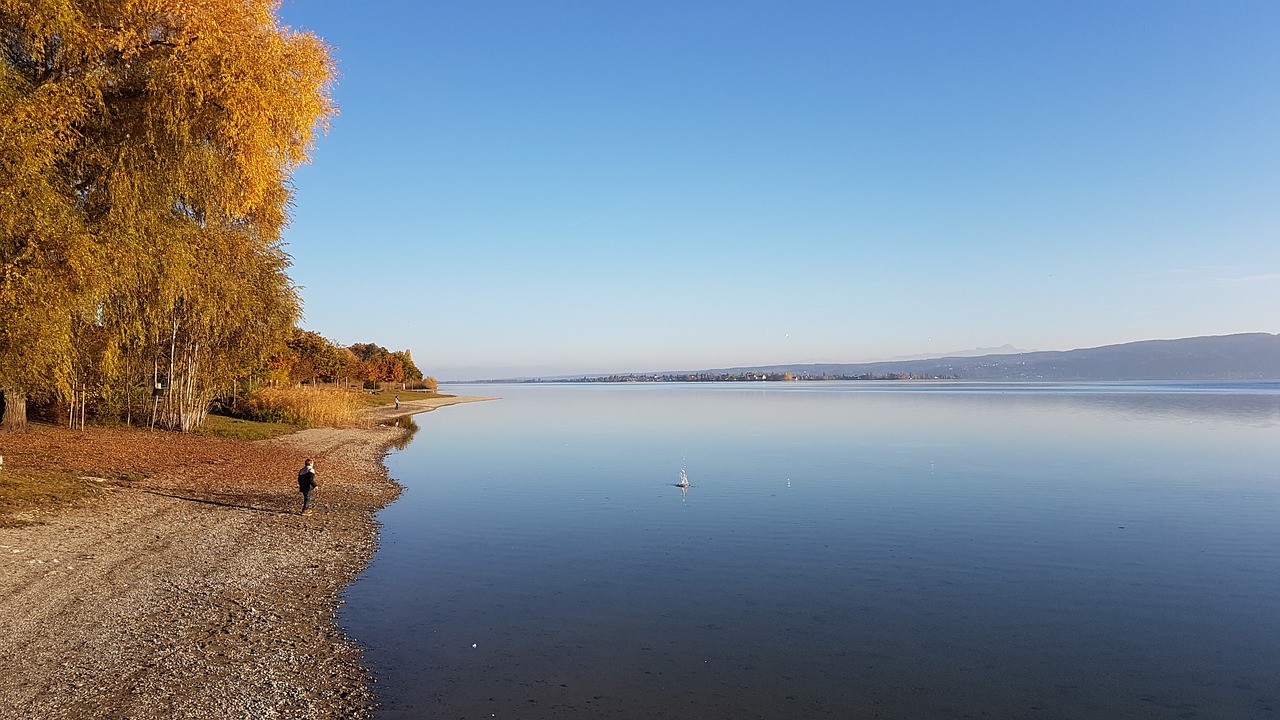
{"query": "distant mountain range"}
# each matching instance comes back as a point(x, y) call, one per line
point(1247, 356)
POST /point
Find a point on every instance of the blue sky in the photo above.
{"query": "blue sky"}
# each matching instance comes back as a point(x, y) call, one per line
point(545, 188)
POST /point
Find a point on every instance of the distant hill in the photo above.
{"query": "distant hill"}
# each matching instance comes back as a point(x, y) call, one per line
point(1005, 349)
point(1247, 356)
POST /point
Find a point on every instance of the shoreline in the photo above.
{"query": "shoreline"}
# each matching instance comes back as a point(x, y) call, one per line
point(189, 586)
point(415, 407)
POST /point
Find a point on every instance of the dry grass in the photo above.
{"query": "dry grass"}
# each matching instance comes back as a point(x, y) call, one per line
point(307, 407)
point(26, 495)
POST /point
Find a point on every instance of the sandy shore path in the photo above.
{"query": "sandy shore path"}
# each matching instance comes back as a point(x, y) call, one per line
point(193, 589)
point(411, 407)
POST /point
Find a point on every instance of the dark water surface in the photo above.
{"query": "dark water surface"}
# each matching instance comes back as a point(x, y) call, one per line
point(867, 550)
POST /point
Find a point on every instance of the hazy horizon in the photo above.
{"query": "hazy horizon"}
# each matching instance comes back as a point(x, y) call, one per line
point(524, 189)
point(553, 374)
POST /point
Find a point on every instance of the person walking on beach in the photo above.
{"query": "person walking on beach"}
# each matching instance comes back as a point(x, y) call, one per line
point(306, 484)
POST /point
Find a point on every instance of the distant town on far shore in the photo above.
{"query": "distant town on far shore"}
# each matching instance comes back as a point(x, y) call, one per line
point(1240, 357)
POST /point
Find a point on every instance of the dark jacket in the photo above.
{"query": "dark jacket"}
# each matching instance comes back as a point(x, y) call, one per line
point(306, 479)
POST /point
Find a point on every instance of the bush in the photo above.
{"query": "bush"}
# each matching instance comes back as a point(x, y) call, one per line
point(309, 407)
point(429, 384)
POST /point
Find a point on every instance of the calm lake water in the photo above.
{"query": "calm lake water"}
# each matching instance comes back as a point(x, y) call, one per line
point(851, 550)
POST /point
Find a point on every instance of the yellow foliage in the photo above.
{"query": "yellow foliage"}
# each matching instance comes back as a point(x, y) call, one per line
point(145, 152)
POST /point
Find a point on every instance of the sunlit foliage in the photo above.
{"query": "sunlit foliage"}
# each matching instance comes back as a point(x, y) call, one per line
point(310, 358)
point(145, 151)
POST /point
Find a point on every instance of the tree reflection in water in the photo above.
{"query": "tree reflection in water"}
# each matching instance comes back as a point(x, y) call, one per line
point(411, 429)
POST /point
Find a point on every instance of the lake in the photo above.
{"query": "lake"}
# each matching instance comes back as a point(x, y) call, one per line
point(854, 550)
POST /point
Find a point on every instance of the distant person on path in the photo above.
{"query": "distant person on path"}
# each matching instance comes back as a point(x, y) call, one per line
point(306, 484)
point(397, 402)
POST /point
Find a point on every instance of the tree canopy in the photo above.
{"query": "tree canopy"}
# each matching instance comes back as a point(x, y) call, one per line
point(310, 357)
point(145, 153)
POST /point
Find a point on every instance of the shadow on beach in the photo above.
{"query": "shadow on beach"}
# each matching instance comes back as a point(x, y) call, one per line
point(229, 503)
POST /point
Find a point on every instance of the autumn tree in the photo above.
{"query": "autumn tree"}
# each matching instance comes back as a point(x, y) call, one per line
point(145, 149)
point(368, 352)
point(387, 366)
point(46, 267)
point(390, 369)
point(350, 367)
point(317, 358)
point(407, 369)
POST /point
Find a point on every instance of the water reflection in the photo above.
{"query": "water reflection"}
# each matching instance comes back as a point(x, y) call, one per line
point(411, 429)
point(992, 551)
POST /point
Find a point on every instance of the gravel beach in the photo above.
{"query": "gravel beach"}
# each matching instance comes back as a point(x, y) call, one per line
point(188, 585)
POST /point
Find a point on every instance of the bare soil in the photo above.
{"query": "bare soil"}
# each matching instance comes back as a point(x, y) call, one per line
point(193, 588)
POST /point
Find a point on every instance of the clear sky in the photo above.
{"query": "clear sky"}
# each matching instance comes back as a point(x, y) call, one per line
point(544, 188)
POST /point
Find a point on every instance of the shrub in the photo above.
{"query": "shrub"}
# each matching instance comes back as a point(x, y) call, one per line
point(429, 383)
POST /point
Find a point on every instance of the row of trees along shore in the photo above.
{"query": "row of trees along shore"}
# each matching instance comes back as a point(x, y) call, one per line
point(146, 148)
point(310, 358)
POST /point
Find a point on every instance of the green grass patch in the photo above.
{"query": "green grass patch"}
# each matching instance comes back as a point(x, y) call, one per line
point(229, 427)
point(26, 495)
point(375, 398)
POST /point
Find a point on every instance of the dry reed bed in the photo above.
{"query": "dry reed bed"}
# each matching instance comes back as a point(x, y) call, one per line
point(312, 407)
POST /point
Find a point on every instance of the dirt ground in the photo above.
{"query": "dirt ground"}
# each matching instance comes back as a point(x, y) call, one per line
point(192, 588)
